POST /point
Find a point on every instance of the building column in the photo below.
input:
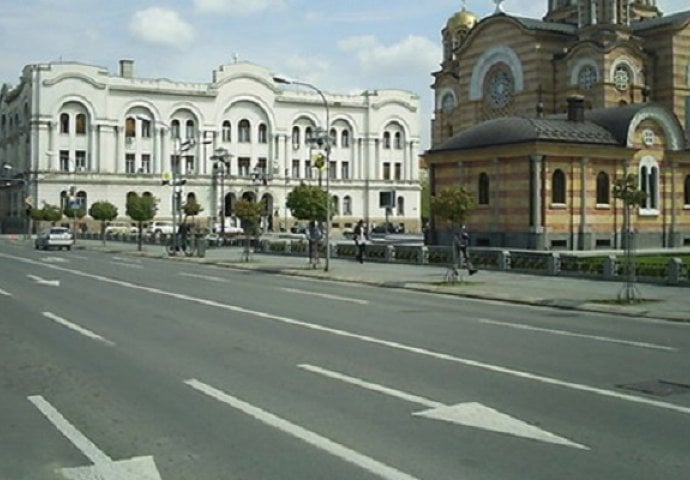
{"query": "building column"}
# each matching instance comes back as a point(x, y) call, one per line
point(584, 232)
point(92, 156)
point(674, 236)
point(494, 195)
point(537, 238)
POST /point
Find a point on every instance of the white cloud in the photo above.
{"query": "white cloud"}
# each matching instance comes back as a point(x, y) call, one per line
point(237, 7)
point(161, 26)
point(412, 56)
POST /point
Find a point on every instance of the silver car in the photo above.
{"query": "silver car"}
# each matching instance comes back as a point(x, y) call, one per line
point(57, 237)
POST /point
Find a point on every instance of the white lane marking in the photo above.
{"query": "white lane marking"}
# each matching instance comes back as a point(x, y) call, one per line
point(80, 257)
point(3, 292)
point(579, 335)
point(78, 439)
point(128, 265)
point(42, 281)
point(326, 295)
point(371, 386)
point(126, 260)
point(54, 259)
point(367, 463)
point(104, 468)
point(204, 277)
point(471, 414)
point(373, 340)
point(73, 326)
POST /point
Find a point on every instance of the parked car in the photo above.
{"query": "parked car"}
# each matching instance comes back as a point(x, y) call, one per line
point(159, 228)
point(388, 228)
point(232, 227)
point(121, 228)
point(300, 228)
point(58, 237)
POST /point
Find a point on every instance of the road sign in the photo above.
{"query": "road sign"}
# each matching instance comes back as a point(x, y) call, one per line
point(29, 201)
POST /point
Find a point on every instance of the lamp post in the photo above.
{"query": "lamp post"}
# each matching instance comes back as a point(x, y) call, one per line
point(22, 179)
point(326, 142)
point(260, 177)
point(221, 160)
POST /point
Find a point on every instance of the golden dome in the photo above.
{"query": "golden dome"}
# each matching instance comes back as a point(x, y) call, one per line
point(462, 20)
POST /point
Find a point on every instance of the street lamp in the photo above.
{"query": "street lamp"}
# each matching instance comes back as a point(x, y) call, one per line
point(176, 182)
point(222, 156)
point(324, 141)
point(260, 177)
point(21, 179)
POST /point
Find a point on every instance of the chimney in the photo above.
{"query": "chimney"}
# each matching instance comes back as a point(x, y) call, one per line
point(576, 108)
point(127, 68)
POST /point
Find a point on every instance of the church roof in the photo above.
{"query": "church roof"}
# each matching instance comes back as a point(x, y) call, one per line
point(535, 24)
point(604, 126)
point(677, 19)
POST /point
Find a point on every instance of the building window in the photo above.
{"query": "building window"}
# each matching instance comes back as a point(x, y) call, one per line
point(386, 171)
point(347, 205)
point(64, 123)
point(190, 131)
point(189, 163)
point(333, 138)
point(243, 166)
point(558, 187)
point(81, 124)
point(686, 192)
point(308, 135)
point(603, 188)
point(145, 128)
point(130, 128)
point(227, 131)
point(129, 163)
point(386, 140)
point(398, 171)
point(263, 133)
point(261, 165)
point(649, 183)
point(307, 169)
point(332, 170)
point(244, 131)
point(295, 169)
point(80, 200)
point(295, 138)
point(483, 189)
point(345, 139)
point(64, 160)
point(398, 141)
point(175, 129)
point(400, 206)
point(335, 201)
point(587, 77)
point(175, 164)
point(80, 160)
point(345, 170)
point(145, 163)
point(621, 77)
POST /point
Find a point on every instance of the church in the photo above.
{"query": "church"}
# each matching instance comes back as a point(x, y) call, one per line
point(538, 118)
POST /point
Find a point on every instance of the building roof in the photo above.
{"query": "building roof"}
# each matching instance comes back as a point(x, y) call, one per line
point(557, 27)
point(677, 19)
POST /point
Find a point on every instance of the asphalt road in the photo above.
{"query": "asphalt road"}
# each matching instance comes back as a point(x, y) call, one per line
point(160, 369)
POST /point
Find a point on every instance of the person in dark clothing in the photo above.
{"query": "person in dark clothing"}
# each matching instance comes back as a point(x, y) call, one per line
point(462, 243)
point(360, 236)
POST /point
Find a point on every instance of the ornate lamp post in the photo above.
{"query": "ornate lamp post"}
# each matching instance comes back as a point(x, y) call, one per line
point(325, 142)
point(221, 161)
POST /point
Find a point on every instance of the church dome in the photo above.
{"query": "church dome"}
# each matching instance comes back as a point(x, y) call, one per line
point(463, 20)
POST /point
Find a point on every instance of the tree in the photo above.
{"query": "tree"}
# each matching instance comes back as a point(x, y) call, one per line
point(74, 214)
point(103, 211)
point(191, 209)
point(141, 209)
point(425, 195)
point(626, 188)
point(307, 202)
point(451, 206)
point(51, 213)
point(250, 214)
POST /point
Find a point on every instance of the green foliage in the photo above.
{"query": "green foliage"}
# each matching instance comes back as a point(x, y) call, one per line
point(51, 213)
point(141, 208)
point(103, 211)
point(452, 204)
point(192, 208)
point(249, 213)
point(75, 212)
point(626, 188)
point(307, 202)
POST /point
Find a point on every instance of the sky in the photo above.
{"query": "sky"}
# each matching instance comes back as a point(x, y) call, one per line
point(341, 46)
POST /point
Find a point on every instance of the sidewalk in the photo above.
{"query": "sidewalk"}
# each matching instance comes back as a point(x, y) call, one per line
point(659, 301)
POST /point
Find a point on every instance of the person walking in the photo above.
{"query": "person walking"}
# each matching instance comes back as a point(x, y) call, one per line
point(314, 235)
point(462, 243)
point(360, 236)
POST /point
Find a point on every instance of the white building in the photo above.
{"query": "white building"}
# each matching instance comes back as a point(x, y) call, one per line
point(68, 124)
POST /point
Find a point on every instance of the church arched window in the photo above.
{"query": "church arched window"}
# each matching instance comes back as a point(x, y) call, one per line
point(483, 189)
point(558, 187)
point(603, 188)
point(686, 191)
point(649, 183)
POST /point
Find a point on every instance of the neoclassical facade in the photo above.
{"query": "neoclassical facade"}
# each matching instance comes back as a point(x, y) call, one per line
point(73, 125)
point(538, 118)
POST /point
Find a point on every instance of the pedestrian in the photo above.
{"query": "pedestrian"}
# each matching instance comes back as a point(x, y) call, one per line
point(314, 235)
point(426, 231)
point(361, 236)
point(461, 241)
point(182, 232)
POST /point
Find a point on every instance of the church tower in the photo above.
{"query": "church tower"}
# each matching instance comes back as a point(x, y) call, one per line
point(585, 13)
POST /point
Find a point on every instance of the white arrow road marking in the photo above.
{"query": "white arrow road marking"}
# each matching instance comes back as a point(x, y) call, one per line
point(327, 295)
point(367, 463)
point(128, 265)
point(77, 328)
point(204, 277)
point(471, 414)
point(41, 281)
point(578, 335)
point(104, 468)
point(403, 347)
point(3, 292)
point(54, 259)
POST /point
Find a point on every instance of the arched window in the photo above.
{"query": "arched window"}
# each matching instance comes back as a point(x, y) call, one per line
point(64, 123)
point(398, 141)
point(130, 128)
point(400, 206)
point(175, 129)
point(263, 133)
point(335, 203)
point(347, 205)
point(227, 131)
point(386, 140)
point(190, 130)
point(308, 135)
point(80, 200)
point(686, 191)
point(295, 137)
point(145, 128)
point(345, 139)
point(649, 183)
point(333, 137)
point(483, 189)
point(558, 187)
point(244, 133)
point(603, 188)
point(81, 124)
